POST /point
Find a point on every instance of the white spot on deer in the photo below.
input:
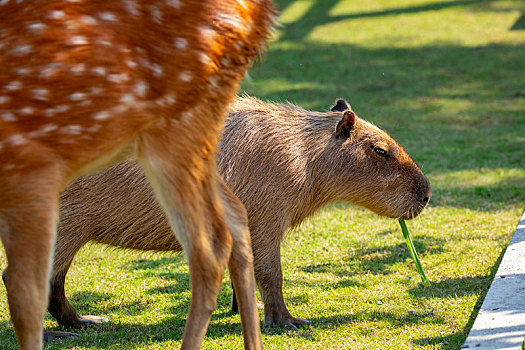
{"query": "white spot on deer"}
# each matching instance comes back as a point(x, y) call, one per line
point(7, 117)
point(157, 70)
point(4, 99)
point(36, 27)
point(56, 14)
point(156, 14)
point(100, 71)
point(132, 7)
point(214, 82)
point(57, 109)
point(232, 20)
point(78, 40)
point(226, 61)
point(187, 116)
point(7, 167)
point(16, 140)
point(107, 16)
point(95, 90)
point(85, 103)
point(181, 43)
point(72, 130)
point(140, 89)
point(41, 94)
point(42, 131)
point(104, 42)
point(131, 64)
point(13, 86)
point(3, 2)
point(94, 128)
point(77, 96)
point(204, 58)
point(243, 4)
point(51, 68)
point(87, 19)
point(127, 99)
point(166, 100)
point(174, 3)
point(207, 33)
point(78, 69)
point(117, 78)
point(101, 115)
point(26, 110)
point(185, 76)
point(21, 71)
point(120, 109)
point(21, 50)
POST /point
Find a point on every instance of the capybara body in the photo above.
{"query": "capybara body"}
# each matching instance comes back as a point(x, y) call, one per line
point(281, 161)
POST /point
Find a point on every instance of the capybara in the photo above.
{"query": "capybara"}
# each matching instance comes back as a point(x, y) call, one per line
point(283, 162)
point(85, 84)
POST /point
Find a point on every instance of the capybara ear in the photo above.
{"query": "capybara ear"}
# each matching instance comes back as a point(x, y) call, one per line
point(345, 125)
point(340, 106)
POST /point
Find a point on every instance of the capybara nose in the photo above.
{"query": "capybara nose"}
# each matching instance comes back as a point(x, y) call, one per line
point(425, 200)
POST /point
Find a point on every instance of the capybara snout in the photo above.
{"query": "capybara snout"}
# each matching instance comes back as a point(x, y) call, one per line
point(378, 173)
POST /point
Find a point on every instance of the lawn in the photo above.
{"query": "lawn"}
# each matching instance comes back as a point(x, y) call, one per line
point(447, 80)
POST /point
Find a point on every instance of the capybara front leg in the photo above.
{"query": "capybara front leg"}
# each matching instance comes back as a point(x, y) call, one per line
point(269, 277)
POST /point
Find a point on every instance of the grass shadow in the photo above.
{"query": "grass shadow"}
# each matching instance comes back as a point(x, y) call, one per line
point(510, 190)
point(149, 264)
point(478, 285)
point(375, 260)
point(320, 14)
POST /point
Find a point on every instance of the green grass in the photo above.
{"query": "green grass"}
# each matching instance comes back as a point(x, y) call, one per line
point(446, 79)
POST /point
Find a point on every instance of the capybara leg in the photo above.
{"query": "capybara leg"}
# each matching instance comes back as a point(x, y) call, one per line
point(28, 218)
point(269, 277)
point(241, 266)
point(67, 245)
point(62, 310)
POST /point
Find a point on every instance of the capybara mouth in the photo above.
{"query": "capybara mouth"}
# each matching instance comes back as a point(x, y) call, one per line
point(415, 210)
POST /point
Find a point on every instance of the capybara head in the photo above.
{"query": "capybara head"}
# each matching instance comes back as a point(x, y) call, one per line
point(373, 170)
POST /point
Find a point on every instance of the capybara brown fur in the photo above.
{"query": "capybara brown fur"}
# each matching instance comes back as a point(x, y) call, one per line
point(281, 161)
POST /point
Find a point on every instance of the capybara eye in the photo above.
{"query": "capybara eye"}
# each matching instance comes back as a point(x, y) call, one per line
point(380, 151)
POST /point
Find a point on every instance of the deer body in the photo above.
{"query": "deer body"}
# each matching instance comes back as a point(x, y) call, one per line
point(83, 84)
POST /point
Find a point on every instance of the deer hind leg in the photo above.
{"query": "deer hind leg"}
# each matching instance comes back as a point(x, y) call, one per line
point(183, 183)
point(28, 218)
point(241, 265)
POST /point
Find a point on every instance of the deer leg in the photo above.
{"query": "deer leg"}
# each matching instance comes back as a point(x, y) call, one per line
point(241, 265)
point(28, 218)
point(184, 184)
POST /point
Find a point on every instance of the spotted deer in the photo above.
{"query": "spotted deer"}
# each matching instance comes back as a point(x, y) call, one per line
point(84, 84)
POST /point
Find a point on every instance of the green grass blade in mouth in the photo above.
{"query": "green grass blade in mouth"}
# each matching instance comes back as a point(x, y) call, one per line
point(413, 252)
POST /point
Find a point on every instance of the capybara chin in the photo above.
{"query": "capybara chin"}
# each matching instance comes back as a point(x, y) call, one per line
point(283, 162)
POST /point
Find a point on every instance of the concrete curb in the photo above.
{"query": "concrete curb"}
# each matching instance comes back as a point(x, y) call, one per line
point(500, 323)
